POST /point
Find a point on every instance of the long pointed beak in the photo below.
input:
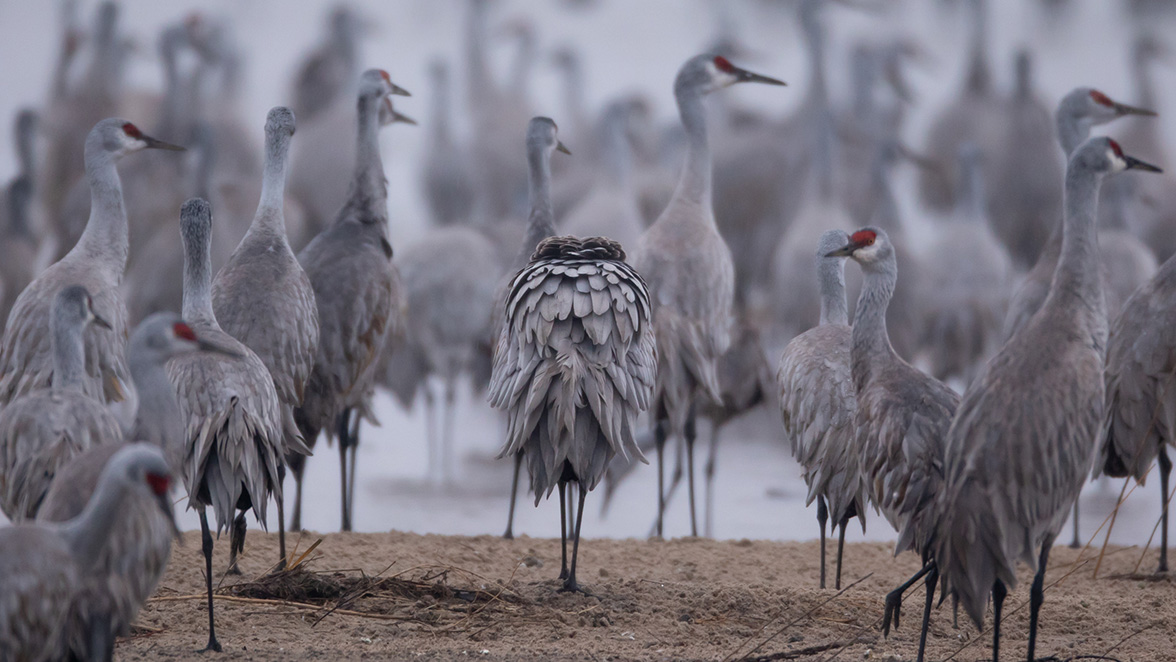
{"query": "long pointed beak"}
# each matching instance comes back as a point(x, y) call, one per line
point(398, 91)
point(214, 348)
point(1135, 164)
point(165, 506)
point(1124, 109)
point(844, 251)
point(745, 76)
point(402, 118)
point(101, 321)
point(560, 147)
point(155, 143)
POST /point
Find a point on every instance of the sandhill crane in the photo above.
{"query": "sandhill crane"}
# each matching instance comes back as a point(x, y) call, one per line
point(43, 428)
point(97, 263)
point(232, 414)
point(263, 298)
point(448, 182)
point(330, 72)
point(1024, 436)
point(22, 223)
point(1077, 112)
point(965, 308)
point(1139, 418)
point(688, 268)
point(542, 140)
point(818, 403)
point(902, 419)
point(359, 297)
point(132, 562)
point(610, 208)
point(44, 567)
point(573, 367)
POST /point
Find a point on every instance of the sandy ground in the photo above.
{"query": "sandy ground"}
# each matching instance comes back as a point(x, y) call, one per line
point(683, 599)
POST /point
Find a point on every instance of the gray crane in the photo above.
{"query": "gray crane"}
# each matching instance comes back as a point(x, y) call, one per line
point(359, 297)
point(1140, 417)
point(135, 556)
point(573, 367)
point(232, 415)
point(542, 140)
point(329, 72)
point(97, 263)
point(690, 274)
point(45, 567)
point(263, 298)
point(818, 402)
point(902, 420)
point(448, 182)
point(42, 429)
point(1024, 436)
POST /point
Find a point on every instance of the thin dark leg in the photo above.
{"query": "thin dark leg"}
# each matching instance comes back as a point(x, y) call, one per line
point(514, 493)
point(206, 547)
point(432, 439)
point(998, 596)
point(1076, 542)
point(236, 543)
point(1165, 470)
point(708, 471)
point(563, 529)
point(447, 432)
point(1037, 595)
point(351, 475)
point(659, 435)
point(932, 580)
point(281, 520)
point(840, 552)
point(343, 432)
point(570, 583)
point(822, 517)
point(297, 464)
point(691, 435)
point(894, 599)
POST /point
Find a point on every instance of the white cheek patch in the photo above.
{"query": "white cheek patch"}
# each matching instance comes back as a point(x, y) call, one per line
point(867, 253)
point(1118, 164)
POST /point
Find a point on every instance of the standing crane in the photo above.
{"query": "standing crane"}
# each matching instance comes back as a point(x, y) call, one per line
point(573, 367)
point(44, 567)
point(41, 430)
point(97, 263)
point(1024, 436)
point(358, 293)
point(902, 420)
point(690, 275)
point(263, 298)
point(819, 405)
point(329, 72)
point(132, 562)
point(232, 414)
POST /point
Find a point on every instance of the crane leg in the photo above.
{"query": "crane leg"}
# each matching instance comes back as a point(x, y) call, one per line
point(1037, 595)
point(894, 599)
point(676, 477)
point(1165, 471)
point(514, 493)
point(999, 591)
point(563, 529)
point(281, 499)
point(822, 517)
point(1076, 542)
point(353, 437)
point(447, 432)
point(932, 580)
point(841, 552)
point(709, 472)
point(431, 441)
point(343, 432)
point(297, 464)
point(236, 543)
point(570, 583)
point(206, 547)
point(659, 435)
point(691, 435)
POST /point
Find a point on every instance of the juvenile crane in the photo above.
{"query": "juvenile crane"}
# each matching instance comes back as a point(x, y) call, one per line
point(690, 275)
point(902, 420)
point(231, 412)
point(1024, 436)
point(96, 262)
point(263, 298)
point(818, 402)
point(358, 293)
point(574, 365)
point(41, 430)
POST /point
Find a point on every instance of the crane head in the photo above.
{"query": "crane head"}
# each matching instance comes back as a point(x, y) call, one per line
point(866, 246)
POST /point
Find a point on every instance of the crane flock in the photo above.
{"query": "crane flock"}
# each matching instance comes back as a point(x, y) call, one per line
point(604, 302)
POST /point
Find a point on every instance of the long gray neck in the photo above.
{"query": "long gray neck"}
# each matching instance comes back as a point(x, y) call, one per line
point(88, 533)
point(168, 126)
point(574, 92)
point(68, 345)
point(269, 219)
point(541, 223)
point(1145, 91)
point(814, 37)
point(695, 182)
point(479, 78)
point(1072, 132)
point(442, 131)
point(197, 302)
point(104, 241)
point(979, 76)
point(369, 184)
point(1077, 281)
point(618, 153)
point(885, 214)
point(871, 341)
point(831, 278)
point(158, 417)
point(520, 77)
point(24, 147)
